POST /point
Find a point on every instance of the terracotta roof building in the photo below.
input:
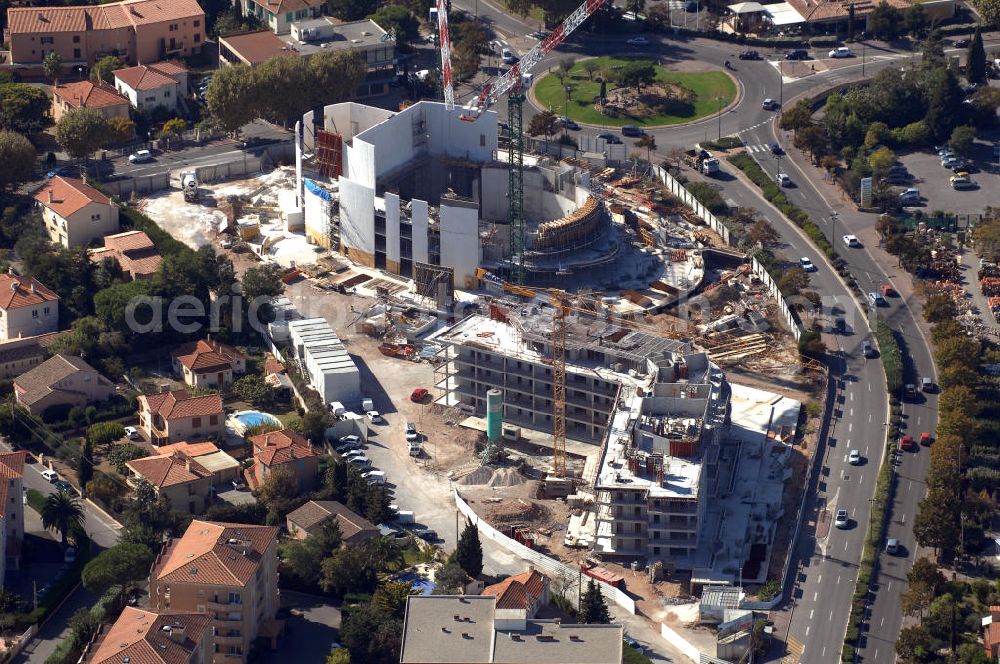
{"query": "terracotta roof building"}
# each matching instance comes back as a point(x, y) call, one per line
point(182, 479)
point(84, 94)
point(228, 571)
point(27, 308)
point(310, 517)
point(62, 380)
point(208, 363)
point(528, 590)
point(153, 85)
point(283, 449)
point(253, 48)
point(279, 14)
point(991, 634)
point(224, 468)
point(20, 355)
point(11, 509)
point(170, 417)
point(74, 213)
point(137, 31)
point(143, 636)
point(133, 251)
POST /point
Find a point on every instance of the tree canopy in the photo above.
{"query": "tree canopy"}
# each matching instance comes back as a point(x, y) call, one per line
point(17, 155)
point(469, 552)
point(81, 131)
point(23, 108)
point(124, 563)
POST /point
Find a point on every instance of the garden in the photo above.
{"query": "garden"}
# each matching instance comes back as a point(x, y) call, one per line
point(616, 91)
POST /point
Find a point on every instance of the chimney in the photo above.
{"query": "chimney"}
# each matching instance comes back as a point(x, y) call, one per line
point(52, 197)
point(177, 633)
point(32, 286)
point(187, 463)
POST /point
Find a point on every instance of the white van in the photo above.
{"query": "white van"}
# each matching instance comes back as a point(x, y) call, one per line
point(413, 448)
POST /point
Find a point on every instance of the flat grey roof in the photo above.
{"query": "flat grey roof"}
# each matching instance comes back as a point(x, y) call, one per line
point(322, 345)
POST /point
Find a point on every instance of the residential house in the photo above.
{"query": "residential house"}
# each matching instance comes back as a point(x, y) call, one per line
point(253, 48)
point(61, 380)
point(27, 308)
point(223, 467)
point(160, 84)
point(528, 591)
point(467, 629)
point(74, 213)
point(133, 251)
point(180, 478)
point(309, 518)
point(283, 449)
point(100, 97)
point(153, 637)
point(279, 14)
point(137, 31)
point(170, 417)
point(991, 634)
point(208, 363)
point(20, 355)
point(230, 572)
point(11, 510)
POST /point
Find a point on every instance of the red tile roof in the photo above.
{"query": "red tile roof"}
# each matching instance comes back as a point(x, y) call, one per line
point(224, 554)
point(277, 447)
point(84, 94)
point(166, 470)
point(35, 384)
point(100, 17)
point(132, 250)
point(178, 403)
point(146, 636)
point(23, 291)
point(272, 365)
point(65, 196)
point(518, 592)
point(314, 513)
point(144, 77)
point(206, 355)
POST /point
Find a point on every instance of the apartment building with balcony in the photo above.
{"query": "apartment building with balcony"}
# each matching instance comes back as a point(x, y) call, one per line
point(171, 417)
point(152, 637)
point(228, 571)
point(511, 350)
point(27, 307)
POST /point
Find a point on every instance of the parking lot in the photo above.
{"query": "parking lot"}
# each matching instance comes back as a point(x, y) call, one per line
point(935, 189)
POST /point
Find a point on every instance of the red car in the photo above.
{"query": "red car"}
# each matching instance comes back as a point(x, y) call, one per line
point(418, 395)
point(907, 443)
point(926, 438)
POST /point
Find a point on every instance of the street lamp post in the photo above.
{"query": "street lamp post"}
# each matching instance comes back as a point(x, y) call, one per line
point(720, 100)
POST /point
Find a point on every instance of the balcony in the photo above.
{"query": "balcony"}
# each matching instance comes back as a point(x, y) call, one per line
point(222, 641)
point(223, 625)
point(225, 607)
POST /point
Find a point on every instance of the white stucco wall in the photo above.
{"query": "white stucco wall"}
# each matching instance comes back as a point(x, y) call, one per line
point(357, 216)
point(460, 240)
point(392, 227)
point(418, 215)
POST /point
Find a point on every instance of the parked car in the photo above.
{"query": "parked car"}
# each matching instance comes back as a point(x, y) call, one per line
point(877, 299)
point(783, 179)
point(63, 486)
point(419, 394)
point(749, 54)
point(350, 454)
point(854, 458)
point(140, 157)
point(632, 643)
point(568, 123)
point(374, 416)
point(132, 433)
point(909, 196)
point(910, 391)
point(411, 432)
point(927, 384)
point(906, 443)
point(610, 138)
point(50, 475)
point(840, 326)
point(926, 438)
point(807, 264)
point(776, 149)
point(637, 41)
point(867, 348)
point(361, 461)
point(374, 476)
point(355, 440)
point(841, 52)
point(962, 182)
point(427, 534)
point(797, 54)
point(347, 447)
point(950, 162)
point(508, 57)
point(960, 43)
point(841, 520)
point(632, 130)
point(852, 241)
point(771, 105)
point(892, 547)
point(887, 290)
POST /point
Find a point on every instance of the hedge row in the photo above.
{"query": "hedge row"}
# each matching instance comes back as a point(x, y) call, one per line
point(893, 367)
point(772, 192)
point(724, 143)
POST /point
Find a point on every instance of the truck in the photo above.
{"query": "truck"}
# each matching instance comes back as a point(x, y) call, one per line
point(367, 404)
point(189, 185)
point(710, 166)
point(337, 409)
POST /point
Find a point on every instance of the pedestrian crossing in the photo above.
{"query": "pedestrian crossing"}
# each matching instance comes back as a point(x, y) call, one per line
point(760, 147)
point(794, 650)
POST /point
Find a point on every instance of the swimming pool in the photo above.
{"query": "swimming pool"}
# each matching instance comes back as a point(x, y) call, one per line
point(420, 584)
point(253, 418)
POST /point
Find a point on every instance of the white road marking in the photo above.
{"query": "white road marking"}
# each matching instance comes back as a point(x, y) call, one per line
point(845, 546)
point(811, 611)
point(882, 622)
point(869, 387)
point(852, 412)
point(869, 418)
point(850, 426)
point(819, 579)
point(831, 615)
point(852, 399)
point(807, 630)
point(866, 450)
point(890, 587)
point(838, 583)
point(909, 486)
point(815, 595)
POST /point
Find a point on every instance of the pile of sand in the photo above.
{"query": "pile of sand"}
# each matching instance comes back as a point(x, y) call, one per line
point(481, 475)
point(507, 477)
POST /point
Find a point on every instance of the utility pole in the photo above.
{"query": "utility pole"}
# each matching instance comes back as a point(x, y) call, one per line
point(720, 100)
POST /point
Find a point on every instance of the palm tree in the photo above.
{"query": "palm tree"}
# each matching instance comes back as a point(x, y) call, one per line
point(384, 554)
point(52, 66)
point(62, 512)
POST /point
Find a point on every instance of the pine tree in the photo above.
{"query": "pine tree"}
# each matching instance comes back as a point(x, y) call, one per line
point(469, 552)
point(976, 59)
point(593, 608)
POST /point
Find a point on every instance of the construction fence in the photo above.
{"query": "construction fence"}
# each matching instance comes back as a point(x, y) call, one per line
point(141, 186)
point(551, 567)
point(713, 222)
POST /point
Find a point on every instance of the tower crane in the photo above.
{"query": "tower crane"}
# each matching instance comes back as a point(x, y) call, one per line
point(511, 84)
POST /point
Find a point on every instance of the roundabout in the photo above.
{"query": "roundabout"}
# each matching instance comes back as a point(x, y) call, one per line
point(638, 92)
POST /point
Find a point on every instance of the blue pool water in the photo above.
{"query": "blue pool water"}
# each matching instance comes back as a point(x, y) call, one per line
point(420, 584)
point(252, 418)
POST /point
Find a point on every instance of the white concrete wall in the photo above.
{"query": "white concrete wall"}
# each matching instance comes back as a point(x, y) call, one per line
point(460, 240)
point(418, 215)
point(451, 135)
point(493, 194)
point(391, 227)
point(19, 321)
point(357, 216)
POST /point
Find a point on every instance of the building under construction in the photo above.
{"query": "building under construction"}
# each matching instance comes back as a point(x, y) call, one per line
point(423, 187)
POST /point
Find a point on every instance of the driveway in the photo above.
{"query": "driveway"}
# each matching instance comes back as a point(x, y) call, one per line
point(310, 631)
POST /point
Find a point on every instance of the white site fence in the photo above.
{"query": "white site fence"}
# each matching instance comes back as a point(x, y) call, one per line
point(544, 564)
point(713, 222)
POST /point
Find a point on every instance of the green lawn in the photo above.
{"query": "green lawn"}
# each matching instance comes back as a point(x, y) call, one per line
point(706, 86)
